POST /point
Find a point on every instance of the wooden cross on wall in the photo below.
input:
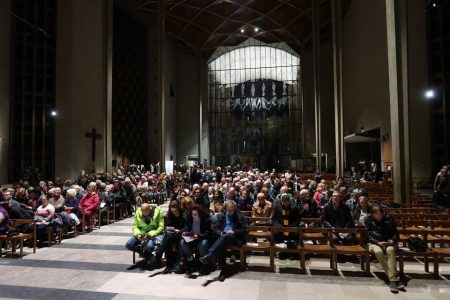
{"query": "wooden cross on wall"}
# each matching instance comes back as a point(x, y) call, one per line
point(94, 136)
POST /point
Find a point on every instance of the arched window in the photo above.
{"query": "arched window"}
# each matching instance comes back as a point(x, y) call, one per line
point(255, 105)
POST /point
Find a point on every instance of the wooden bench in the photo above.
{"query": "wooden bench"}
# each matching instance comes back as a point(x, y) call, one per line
point(251, 246)
point(281, 249)
point(439, 252)
point(255, 232)
point(326, 248)
point(110, 214)
point(359, 248)
point(20, 238)
point(403, 251)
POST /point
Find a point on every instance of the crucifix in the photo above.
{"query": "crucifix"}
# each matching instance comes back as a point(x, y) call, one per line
point(94, 136)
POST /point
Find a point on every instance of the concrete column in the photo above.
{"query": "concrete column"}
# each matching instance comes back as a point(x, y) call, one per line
point(302, 99)
point(161, 81)
point(5, 57)
point(108, 13)
point(81, 81)
point(396, 22)
point(316, 67)
point(200, 107)
point(336, 10)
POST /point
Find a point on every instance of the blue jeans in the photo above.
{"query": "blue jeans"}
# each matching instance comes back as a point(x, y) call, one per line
point(145, 248)
point(187, 249)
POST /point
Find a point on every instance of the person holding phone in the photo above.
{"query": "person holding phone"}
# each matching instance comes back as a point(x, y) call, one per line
point(147, 231)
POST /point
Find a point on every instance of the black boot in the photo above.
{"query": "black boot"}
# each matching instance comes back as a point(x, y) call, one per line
point(179, 269)
point(155, 261)
point(222, 276)
point(205, 270)
point(190, 267)
point(168, 269)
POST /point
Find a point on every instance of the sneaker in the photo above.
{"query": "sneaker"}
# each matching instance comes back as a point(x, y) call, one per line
point(401, 285)
point(393, 287)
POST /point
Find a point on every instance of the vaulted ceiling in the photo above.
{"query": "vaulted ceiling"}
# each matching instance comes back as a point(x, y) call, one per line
point(205, 25)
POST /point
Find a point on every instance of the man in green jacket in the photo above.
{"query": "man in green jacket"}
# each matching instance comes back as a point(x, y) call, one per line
point(148, 229)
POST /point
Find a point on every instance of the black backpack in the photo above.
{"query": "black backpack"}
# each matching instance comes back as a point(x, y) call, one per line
point(416, 244)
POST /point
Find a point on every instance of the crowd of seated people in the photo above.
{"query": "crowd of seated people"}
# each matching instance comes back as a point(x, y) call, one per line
point(58, 203)
point(206, 217)
point(207, 211)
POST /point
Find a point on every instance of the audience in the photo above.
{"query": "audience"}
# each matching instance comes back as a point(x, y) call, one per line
point(262, 207)
point(337, 215)
point(195, 236)
point(43, 217)
point(229, 230)
point(4, 221)
point(308, 207)
point(382, 237)
point(205, 214)
point(217, 203)
point(89, 203)
point(361, 211)
point(148, 230)
point(285, 214)
point(174, 223)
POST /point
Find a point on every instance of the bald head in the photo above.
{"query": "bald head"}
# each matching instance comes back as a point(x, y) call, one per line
point(145, 208)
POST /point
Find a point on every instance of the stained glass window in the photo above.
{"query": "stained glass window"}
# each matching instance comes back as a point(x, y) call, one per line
point(255, 105)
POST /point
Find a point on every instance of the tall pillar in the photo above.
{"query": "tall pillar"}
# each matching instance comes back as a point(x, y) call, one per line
point(108, 11)
point(200, 107)
point(81, 87)
point(161, 82)
point(316, 59)
point(302, 99)
point(396, 20)
point(336, 10)
point(5, 49)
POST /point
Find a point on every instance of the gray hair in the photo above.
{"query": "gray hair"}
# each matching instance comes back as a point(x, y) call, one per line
point(71, 192)
point(92, 185)
point(231, 203)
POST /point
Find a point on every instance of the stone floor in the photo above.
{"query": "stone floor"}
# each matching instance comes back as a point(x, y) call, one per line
point(93, 266)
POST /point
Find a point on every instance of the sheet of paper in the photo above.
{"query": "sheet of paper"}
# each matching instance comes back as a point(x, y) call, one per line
point(188, 239)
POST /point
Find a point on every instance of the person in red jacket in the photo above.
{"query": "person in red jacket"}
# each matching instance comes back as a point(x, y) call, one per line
point(89, 203)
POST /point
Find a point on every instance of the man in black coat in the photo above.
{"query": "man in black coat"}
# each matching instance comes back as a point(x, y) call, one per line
point(336, 214)
point(308, 207)
point(229, 230)
point(382, 237)
point(285, 214)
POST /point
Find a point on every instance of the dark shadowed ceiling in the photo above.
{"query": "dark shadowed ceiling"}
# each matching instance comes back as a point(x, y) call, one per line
point(205, 25)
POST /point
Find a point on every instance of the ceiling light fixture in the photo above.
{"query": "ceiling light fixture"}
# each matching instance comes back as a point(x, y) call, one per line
point(256, 29)
point(242, 30)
